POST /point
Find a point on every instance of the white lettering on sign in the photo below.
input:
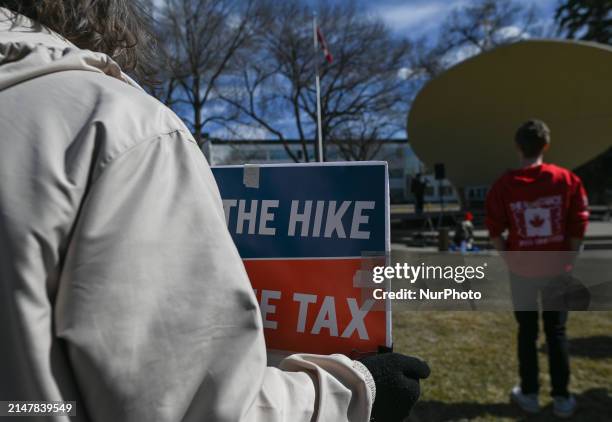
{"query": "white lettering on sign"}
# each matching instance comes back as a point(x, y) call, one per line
point(249, 216)
point(334, 219)
point(267, 216)
point(267, 308)
point(297, 217)
point(340, 219)
point(359, 219)
point(228, 204)
point(327, 318)
point(304, 300)
point(316, 227)
point(357, 318)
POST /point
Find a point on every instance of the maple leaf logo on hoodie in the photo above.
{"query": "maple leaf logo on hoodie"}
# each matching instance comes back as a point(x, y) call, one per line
point(537, 221)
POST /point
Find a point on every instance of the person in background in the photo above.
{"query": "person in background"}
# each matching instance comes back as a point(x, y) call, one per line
point(463, 238)
point(417, 188)
point(120, 286)
point(544, 208)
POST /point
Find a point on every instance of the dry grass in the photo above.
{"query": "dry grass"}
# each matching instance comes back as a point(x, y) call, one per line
point(473, 361)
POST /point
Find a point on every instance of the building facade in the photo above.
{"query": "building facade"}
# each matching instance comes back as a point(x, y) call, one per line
point(403, 164)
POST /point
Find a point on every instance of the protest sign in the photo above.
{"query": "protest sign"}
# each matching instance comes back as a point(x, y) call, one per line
point(309, 235)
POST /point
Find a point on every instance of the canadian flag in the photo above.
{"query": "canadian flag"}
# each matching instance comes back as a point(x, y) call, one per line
point(323, 44)
point(538, 222)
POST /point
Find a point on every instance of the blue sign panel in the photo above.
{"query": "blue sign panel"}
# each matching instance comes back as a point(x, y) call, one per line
point(306, 210)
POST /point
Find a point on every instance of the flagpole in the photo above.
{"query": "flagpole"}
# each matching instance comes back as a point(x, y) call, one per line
point(319, 145)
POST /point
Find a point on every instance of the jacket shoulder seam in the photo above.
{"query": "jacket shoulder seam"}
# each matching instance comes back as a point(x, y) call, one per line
point(114, 157)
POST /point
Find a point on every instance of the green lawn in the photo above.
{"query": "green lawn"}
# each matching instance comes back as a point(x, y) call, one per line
point(473, 361)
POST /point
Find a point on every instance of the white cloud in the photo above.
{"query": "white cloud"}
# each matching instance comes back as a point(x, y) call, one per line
point(459, 54)
point(423, 17)
point(406, 73)
point(405, 16)
point(463, 53)
point(416, 16)
point(511, 32)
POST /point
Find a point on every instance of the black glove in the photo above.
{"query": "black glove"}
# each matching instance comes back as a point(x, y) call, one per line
point(397, 384)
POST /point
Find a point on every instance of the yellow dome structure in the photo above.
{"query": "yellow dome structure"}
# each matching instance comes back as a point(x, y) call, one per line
point(467, 116)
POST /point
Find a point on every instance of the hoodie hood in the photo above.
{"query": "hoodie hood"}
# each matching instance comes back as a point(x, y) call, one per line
point(526, 175)
point(29, 50)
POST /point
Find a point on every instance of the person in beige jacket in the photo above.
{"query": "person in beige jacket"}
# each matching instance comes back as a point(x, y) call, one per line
point(120, 286)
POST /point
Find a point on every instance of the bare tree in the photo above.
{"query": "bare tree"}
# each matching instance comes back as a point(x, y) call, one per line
point(200, 39)
point(362, 140)
point(486, 24)
point(362, 96)
point(475, 28)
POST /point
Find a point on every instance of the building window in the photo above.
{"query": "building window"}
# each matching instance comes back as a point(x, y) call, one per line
point(278, 155)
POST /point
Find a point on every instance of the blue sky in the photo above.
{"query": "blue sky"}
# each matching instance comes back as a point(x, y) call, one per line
point(411, 19)
point(416, 18)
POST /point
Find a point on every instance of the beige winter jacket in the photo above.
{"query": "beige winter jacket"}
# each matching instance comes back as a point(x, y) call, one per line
point(120, 287)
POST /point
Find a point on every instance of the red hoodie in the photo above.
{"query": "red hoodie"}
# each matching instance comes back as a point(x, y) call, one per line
point(541, 206)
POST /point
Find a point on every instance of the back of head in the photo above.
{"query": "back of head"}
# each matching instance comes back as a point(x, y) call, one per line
point(118, 28)
point(532, 137)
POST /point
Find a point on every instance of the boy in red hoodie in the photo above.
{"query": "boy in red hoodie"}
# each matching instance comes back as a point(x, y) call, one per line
point(544, 208)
